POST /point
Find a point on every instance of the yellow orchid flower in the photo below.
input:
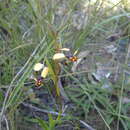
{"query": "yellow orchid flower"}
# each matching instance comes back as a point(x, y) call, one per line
point(59, 56)
point(44, 72)
point(64, 49)
point(38, 66)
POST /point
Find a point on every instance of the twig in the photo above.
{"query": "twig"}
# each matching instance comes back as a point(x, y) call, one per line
point(42, 110)
point(7, 124)
point(86, 125)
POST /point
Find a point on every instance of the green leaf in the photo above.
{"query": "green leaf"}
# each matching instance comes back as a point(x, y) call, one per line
point(52, 122)
point(43, 124)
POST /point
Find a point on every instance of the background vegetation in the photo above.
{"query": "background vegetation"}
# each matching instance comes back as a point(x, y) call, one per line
point(94, 93)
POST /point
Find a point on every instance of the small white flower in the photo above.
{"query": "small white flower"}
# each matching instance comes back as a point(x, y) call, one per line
point(38, 66)
point(59, 56)
point(44, 72)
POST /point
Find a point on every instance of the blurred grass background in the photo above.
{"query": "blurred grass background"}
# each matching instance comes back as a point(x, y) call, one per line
point(29, 33)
